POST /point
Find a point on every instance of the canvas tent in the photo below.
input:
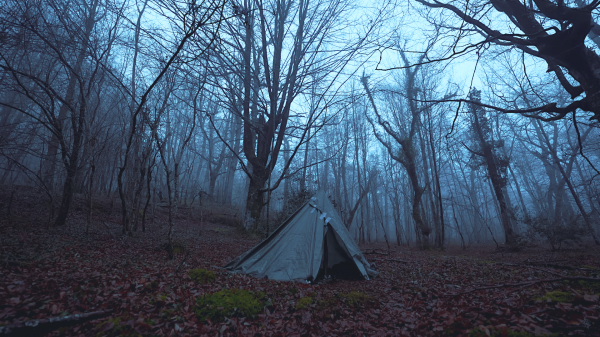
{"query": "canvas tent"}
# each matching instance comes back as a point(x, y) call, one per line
point(311, 243)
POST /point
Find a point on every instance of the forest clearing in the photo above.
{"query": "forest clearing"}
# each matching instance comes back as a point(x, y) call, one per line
point(444, 152)
point(133, 288)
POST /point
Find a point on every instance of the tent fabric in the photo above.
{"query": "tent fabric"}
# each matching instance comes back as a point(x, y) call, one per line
point(313, 238)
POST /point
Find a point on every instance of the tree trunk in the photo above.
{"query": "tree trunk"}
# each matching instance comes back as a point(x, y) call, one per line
point(574, 193)
point(255, 198)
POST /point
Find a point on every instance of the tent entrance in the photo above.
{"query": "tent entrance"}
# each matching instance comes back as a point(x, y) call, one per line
point(336, 262)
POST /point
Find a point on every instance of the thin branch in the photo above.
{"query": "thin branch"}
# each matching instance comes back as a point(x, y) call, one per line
point(530, 283)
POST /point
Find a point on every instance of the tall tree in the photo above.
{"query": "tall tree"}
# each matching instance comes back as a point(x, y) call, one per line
point(486, 152)
point(282, 46)
point(196, 24)
point(64, 39)
point(406, 154)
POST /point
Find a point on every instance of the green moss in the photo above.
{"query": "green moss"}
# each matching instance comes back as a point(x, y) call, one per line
point(293, 291)
point(587, 285)
point(229, 303)
point(357, 299)
point(304, 303)
point(557, 296)
point(202, 276)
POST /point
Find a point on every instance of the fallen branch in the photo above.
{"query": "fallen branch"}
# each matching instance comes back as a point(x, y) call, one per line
point(530, 283)
point(37, 327)
point(182, 261)
point(545, 262)
point(394, 260)
point(539, 264)
point(375, 252)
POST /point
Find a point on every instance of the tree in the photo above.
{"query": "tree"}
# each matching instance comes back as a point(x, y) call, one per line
point(196, 23)
point(405, 138)
point(62, 40)
point(485, 152)
point(285, 47)
point(554, 32)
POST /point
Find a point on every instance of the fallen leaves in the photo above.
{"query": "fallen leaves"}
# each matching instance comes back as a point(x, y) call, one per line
point(62, 273)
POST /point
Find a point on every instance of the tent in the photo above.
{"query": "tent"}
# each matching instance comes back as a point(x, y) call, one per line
point(310, 244)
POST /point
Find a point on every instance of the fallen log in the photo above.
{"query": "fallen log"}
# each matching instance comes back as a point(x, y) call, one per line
point(39, 327)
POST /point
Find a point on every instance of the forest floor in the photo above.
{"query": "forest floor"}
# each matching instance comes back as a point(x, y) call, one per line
point(62, 282)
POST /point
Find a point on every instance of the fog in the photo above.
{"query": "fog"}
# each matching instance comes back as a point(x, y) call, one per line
point(426, 123)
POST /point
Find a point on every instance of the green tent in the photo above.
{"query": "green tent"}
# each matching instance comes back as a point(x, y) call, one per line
point(309, 245)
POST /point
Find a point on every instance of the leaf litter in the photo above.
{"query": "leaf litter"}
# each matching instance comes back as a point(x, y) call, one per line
point(61, 282)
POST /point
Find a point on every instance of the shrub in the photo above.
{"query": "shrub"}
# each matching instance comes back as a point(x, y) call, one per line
point(229, 303)
point(202, 276)
point(304, 303)
point(559, 232)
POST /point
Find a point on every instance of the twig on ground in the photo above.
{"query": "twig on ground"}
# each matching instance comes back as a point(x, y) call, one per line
point(182, 261)
point(533, 265)
point(395, 260)
point(42, 326)
point(375, 252)
point(530, 283)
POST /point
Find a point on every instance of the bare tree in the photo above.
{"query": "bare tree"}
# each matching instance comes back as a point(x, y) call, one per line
point(63, 39)
point(198, 24)
point(485, 153)
point(554, 32)
point(405, 137)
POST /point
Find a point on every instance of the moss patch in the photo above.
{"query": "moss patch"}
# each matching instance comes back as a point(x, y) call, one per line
point(357, 299)
point(557, 296)
point(593, 286)
point(202, 276)
point(304, 303)
point(230, 303)
point(590, 267)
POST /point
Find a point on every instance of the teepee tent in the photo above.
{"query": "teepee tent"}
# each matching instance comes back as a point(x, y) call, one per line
point(310, 244)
